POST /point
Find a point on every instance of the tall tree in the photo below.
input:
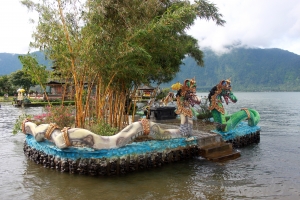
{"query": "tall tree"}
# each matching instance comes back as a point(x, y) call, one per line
point(116, 45)
point(136, 42)
point(58, 33)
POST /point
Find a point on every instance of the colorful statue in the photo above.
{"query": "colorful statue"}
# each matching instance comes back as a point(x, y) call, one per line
point(21, 99)
point(20, 94)
point(228, 122)
point(186, 99)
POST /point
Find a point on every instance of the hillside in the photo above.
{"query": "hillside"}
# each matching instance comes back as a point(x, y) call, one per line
point(10, 63)
point(249, 69)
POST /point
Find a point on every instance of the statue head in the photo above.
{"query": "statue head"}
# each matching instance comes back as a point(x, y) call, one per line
point(224, 88)
point(190, 84)
point(225, 85)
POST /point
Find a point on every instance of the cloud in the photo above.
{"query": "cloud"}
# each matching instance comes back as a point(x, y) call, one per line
point(252, 23)
point(15, 27)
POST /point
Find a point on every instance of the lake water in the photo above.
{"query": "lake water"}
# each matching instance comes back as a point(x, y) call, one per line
point(268, 170)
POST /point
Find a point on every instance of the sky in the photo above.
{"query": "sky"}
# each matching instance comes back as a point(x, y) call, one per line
point(249, 23)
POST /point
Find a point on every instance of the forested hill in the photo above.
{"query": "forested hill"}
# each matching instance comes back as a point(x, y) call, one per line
point(10, 62)
point(249, 70)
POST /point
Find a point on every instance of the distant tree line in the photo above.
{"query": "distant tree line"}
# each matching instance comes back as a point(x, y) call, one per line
point(249, 69)
point(9, 84)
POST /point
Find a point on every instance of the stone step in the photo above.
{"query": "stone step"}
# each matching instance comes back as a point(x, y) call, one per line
point(219, 152)
point(208, 139)
point(216, 148)
point(223, 156)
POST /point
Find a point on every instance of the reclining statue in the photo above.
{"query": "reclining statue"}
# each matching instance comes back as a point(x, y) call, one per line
point(78, 137)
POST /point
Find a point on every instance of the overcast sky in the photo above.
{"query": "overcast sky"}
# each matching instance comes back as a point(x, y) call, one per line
point(252, 23)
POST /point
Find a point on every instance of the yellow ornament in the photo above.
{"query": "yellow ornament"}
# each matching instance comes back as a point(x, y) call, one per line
point(176, 86)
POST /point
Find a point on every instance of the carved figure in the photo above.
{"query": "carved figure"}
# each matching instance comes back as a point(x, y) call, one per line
point(78, 137)
point(228, 122)
point(186, 99)
point(167, 99)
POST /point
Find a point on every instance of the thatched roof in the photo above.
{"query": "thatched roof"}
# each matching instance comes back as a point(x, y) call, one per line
point(54, 83)
point(146, 87)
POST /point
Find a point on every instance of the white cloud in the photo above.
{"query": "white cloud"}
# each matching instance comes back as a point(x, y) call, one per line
point(253, 23)
point(16, 30)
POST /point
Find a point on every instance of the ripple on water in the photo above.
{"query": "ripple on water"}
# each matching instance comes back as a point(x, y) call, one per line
point(268, 170)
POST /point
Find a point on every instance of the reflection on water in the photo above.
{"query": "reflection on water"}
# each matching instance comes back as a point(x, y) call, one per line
point(269, 170)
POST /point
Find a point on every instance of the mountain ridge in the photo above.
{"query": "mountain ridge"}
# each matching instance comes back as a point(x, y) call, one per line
point(9, 62)
point(249, 69)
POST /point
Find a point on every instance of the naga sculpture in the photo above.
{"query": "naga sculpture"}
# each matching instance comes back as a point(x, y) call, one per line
point(228, 122)
point(78, 137)
point(186, 99)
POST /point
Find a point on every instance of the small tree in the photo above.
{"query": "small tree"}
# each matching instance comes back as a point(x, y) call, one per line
point(22, 79)
point(6, 85)
point(38, 73)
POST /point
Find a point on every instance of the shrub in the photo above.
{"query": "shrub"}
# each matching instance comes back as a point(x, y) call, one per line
point(103, 129)
point(62, 115)
point(204, 112)
point(41, 118)
point(19, 121)
point(164, 92)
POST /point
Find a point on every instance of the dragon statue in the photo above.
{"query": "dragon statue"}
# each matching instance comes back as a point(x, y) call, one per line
point(225, 122)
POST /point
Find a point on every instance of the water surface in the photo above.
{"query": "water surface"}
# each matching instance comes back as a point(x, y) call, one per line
point(268, 170)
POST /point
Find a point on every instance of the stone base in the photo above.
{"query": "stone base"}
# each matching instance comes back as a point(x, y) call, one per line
point(107, 165)
point(137, 155)
point(243, 135)
point(246, 140)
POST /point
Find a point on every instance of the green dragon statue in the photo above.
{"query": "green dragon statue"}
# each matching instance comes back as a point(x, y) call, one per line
point(225, 122)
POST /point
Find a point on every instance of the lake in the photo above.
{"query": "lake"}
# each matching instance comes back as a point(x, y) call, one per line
point(268, 170)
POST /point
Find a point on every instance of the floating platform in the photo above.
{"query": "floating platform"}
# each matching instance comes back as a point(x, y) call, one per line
point(132, 157)
point(137, 155)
